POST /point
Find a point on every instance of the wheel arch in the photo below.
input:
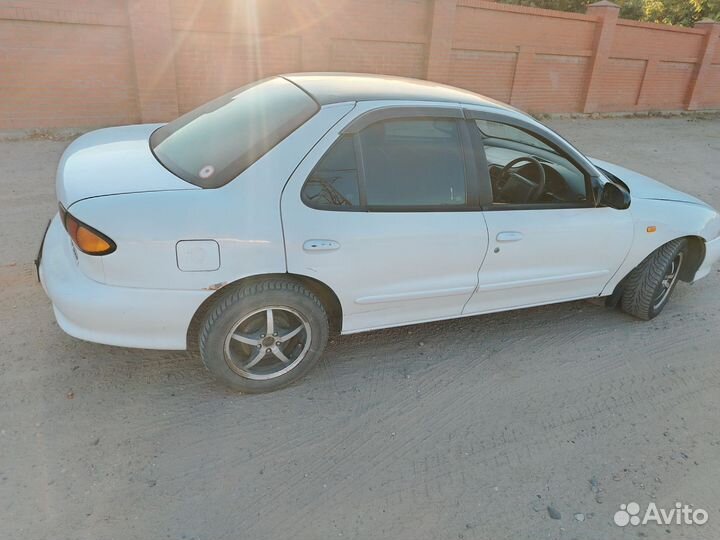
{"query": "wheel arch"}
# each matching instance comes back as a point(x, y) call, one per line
point(696, 255)
point(327, 296)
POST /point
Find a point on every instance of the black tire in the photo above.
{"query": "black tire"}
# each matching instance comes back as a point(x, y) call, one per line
point(644, 295)
point(286, 297)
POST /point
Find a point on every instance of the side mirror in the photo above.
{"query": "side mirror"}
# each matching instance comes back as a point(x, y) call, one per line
point(614, 196)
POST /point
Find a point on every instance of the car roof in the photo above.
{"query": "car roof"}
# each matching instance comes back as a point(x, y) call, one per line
point(328, 88)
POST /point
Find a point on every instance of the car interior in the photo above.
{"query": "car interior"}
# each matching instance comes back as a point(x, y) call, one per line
point(525, 170)
point(404, 159)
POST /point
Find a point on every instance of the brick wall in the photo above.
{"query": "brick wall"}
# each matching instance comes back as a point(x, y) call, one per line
point(104, 62)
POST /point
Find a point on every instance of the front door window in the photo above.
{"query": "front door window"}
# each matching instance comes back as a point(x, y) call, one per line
point(525, 170)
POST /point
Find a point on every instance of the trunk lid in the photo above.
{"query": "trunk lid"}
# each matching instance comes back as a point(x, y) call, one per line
point(111, 161)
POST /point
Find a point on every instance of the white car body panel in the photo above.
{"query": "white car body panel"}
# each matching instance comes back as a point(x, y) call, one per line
point(386, 268)
point(137, 296)
point(423, 268)
point(243, 217)
point(123, 316)
point(712, 255)
point(557, 255)
point(673, 213)
point(110, 161)
point(645, 187)
point(672, 220)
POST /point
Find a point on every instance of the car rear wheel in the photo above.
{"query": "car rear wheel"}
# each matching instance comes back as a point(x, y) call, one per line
point(648, 287)
point(263, 336)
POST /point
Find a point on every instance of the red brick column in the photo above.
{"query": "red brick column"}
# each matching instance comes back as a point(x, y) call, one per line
point(441, 39)
point(607, 14)
point(706, 57)
point(153, 55)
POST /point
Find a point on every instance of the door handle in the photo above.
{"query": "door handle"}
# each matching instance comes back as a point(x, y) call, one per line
point(320, 245)
point(509, 236)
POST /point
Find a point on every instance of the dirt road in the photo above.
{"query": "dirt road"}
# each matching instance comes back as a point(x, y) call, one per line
point(458, 430)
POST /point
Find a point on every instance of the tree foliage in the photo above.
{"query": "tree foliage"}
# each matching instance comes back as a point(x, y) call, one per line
point(680, 12)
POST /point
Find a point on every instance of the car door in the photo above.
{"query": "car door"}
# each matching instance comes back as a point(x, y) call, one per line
point(548, 244)
point(385, 212)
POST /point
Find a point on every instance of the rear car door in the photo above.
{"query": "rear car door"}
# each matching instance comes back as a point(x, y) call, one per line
point(385, 211)
point(548, 244)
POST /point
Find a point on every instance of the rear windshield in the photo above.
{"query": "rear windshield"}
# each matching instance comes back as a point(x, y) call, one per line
point(214, 143)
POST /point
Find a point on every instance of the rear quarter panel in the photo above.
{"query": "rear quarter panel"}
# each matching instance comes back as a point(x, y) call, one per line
point(242, 216)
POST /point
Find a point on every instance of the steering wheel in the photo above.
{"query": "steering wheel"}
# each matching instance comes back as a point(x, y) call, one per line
point(509, 175)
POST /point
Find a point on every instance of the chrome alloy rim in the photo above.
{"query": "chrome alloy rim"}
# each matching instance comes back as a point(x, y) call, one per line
point(669, 280)
point(267, 343)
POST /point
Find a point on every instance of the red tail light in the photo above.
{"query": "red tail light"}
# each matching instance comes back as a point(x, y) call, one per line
point(87, 239)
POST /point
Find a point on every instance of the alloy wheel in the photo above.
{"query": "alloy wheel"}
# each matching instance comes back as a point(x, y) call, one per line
point(267, 343)
point(668, 280)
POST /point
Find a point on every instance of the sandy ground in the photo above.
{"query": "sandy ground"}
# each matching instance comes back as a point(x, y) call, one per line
point(457, 430)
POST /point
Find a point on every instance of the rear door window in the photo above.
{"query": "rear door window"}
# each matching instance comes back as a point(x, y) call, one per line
point(413, 163)
point(408, 164)
point(333, 184)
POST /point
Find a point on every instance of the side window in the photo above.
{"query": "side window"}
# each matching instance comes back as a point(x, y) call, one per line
point(413, 163)
point(333, 184)
point(544, 176)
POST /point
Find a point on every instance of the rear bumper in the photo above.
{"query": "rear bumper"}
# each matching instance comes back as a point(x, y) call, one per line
point(712, 256)
point(124, 316)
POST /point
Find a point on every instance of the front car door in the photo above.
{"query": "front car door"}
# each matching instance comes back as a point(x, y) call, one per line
point(385, 211)
point(547, 240)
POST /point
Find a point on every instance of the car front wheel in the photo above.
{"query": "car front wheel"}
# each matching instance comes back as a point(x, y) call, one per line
point(648, 287)
point(263, 336)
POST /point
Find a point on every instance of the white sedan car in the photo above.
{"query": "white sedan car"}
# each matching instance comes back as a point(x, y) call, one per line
point(252, 227)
